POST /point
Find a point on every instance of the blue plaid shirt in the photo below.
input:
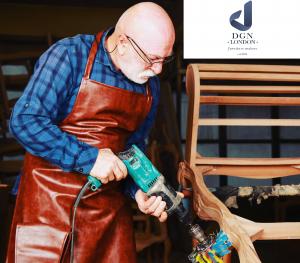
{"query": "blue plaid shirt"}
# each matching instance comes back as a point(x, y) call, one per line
point(50, 96)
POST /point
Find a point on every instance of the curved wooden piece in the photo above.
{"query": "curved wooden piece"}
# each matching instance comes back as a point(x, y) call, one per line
point(208, 207)
point(270, 231)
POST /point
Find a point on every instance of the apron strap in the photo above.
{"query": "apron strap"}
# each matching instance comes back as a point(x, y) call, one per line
point(91, 58)
point(92, 55)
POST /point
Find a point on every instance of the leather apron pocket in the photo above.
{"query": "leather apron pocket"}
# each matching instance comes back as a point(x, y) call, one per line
point(40, 243)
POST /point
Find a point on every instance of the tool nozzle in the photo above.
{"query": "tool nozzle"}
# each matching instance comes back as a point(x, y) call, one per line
point(197, 232)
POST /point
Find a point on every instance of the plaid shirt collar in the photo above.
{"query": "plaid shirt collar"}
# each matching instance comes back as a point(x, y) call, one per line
point(102, 55)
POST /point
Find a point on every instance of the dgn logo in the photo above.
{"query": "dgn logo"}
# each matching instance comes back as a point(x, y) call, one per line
point(247, 18)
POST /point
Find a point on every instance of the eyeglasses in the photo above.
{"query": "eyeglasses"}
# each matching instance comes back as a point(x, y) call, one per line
point(145, 58)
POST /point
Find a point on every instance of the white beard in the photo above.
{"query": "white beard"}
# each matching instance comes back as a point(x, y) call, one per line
point(145, 75)
point(134, 73)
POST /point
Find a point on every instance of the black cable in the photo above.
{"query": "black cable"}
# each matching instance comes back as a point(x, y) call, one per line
point(78, 198)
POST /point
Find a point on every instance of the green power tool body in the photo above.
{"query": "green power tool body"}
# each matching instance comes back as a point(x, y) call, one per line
point(152, 182)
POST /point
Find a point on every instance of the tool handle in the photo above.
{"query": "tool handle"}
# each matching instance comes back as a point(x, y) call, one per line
point(94, 182)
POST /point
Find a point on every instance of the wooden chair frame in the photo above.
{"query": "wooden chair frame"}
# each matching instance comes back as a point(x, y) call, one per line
point(242, 232)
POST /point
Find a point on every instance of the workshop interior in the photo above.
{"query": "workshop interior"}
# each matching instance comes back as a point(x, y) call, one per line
point(226, 135)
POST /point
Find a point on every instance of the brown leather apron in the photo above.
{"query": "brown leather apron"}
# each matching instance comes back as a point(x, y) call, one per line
point(103, 116)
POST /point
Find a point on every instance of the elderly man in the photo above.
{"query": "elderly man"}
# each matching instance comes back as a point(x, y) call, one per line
point(89, 98)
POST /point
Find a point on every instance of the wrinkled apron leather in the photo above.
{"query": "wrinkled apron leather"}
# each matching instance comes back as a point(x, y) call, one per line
point(103, 116)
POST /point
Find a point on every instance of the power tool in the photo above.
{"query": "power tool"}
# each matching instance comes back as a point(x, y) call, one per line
point(210, 248)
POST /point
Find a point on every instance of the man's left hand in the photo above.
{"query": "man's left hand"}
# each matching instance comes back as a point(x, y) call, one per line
point(152, 205)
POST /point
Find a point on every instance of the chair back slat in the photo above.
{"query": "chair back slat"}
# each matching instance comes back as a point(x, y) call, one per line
point(225, 89)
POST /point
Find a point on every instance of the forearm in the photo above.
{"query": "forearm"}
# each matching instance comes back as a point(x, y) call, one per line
point(41, 137)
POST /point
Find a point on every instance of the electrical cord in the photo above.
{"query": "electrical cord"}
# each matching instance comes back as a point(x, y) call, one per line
point(77, 201)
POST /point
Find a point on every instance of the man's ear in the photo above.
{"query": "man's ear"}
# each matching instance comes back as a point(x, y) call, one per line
point(122, 44)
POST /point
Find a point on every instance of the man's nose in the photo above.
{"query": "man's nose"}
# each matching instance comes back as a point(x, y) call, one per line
point(157, 68)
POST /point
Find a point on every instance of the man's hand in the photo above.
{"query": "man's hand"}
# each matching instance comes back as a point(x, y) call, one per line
point(152, 205)
point(108, 167)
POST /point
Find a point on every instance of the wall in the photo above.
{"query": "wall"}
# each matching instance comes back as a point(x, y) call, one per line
point(38, 20)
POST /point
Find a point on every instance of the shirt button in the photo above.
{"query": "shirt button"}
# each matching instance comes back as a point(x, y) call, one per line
point(80, 170)
point(26, 105)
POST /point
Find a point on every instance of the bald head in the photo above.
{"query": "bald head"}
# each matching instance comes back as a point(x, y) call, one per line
point(149, 24)
point(144, 28)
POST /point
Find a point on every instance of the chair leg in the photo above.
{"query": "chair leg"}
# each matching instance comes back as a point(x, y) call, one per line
point(167, 250)
point(148, 251)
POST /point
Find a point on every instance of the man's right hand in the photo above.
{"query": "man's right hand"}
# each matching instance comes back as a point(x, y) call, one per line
point(108, 167)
